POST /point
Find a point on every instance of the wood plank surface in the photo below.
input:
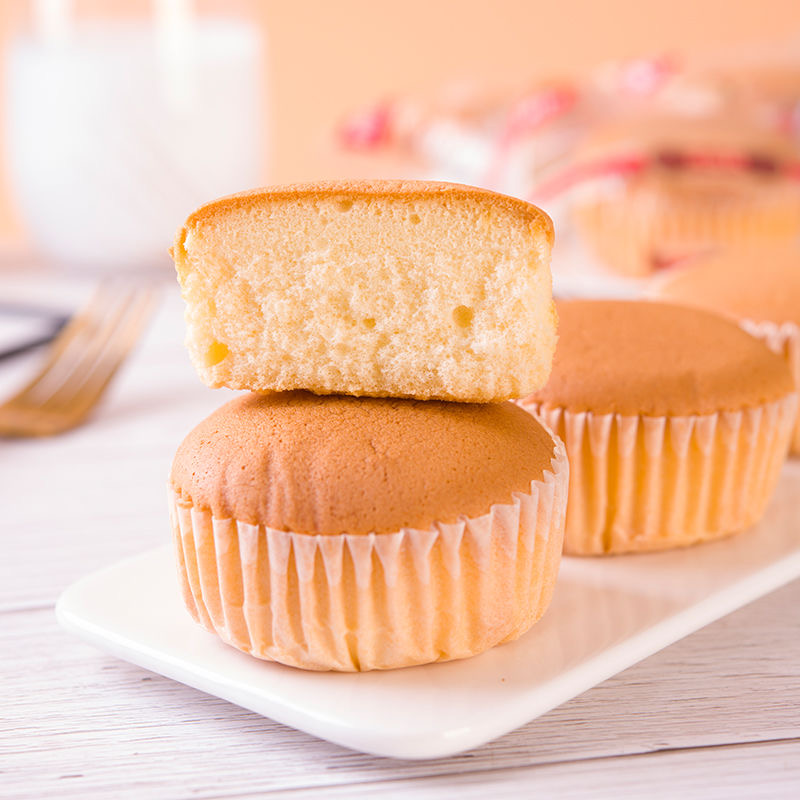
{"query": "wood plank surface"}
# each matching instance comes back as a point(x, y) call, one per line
point(70, 710)
point(712, 772)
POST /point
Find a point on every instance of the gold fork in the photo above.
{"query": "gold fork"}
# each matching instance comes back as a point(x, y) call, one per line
point(81, 363)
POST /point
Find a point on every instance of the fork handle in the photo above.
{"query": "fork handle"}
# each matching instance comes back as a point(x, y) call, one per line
point(32, 344)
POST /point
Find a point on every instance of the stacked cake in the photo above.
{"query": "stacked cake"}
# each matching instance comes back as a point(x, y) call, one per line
point(373, 502)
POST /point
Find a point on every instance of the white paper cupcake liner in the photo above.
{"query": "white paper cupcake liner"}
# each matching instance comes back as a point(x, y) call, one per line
point(783, 339)
point(649, 483)
point(375, 601)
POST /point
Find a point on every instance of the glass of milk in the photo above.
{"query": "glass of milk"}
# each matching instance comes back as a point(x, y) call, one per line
point(116, 130)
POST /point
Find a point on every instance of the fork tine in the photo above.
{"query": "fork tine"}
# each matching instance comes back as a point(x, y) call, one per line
point(81, 328)
point(81, 394)
point(82, 363)
point(76, 368)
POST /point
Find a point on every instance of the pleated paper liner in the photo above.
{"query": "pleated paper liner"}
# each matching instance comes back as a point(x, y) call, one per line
point(649, 483)
point(632, 240)
point(783, 339)
point(375, 601)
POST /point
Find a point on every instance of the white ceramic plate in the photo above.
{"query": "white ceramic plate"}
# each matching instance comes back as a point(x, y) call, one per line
point(606, 615)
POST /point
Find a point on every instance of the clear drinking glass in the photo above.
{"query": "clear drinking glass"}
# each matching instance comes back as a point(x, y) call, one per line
point(117, 128)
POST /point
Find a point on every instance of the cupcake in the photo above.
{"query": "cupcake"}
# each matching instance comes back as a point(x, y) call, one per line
point(344, 533)
point(678, 186)
point(348, 529)
point(758, 286)
point(676, 423)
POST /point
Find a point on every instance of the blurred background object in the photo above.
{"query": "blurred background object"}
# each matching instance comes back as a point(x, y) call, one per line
point(671, 186)
point(116, 127)
point(82, 362)
point(478, 73)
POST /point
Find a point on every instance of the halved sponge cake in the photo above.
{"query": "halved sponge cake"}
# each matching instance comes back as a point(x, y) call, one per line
point(381, 288)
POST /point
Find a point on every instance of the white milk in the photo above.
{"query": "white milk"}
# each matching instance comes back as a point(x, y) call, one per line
point(114, 138)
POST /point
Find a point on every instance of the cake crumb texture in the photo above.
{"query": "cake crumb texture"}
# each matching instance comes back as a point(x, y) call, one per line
point(388, 288)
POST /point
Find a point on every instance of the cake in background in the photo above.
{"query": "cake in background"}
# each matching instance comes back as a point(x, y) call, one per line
point(676, 424)
point(758, 286)
point(655, 189)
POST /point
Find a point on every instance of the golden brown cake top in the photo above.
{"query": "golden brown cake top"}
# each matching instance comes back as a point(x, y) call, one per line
point(656, 359)
point(756, 283)
point(540, 223)
point(329, 465)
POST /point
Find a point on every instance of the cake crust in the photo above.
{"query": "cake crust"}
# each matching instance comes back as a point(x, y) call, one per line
point(332, 465)
point(757, 283)
point(540, 223)
point(657, 359)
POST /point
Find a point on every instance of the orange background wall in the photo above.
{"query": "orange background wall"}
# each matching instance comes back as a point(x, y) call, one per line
point(324, 57)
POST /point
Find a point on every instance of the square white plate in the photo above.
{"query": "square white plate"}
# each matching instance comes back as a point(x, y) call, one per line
point(606, 615)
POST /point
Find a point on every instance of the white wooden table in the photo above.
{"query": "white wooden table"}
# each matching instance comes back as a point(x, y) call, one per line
point(715, 715)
